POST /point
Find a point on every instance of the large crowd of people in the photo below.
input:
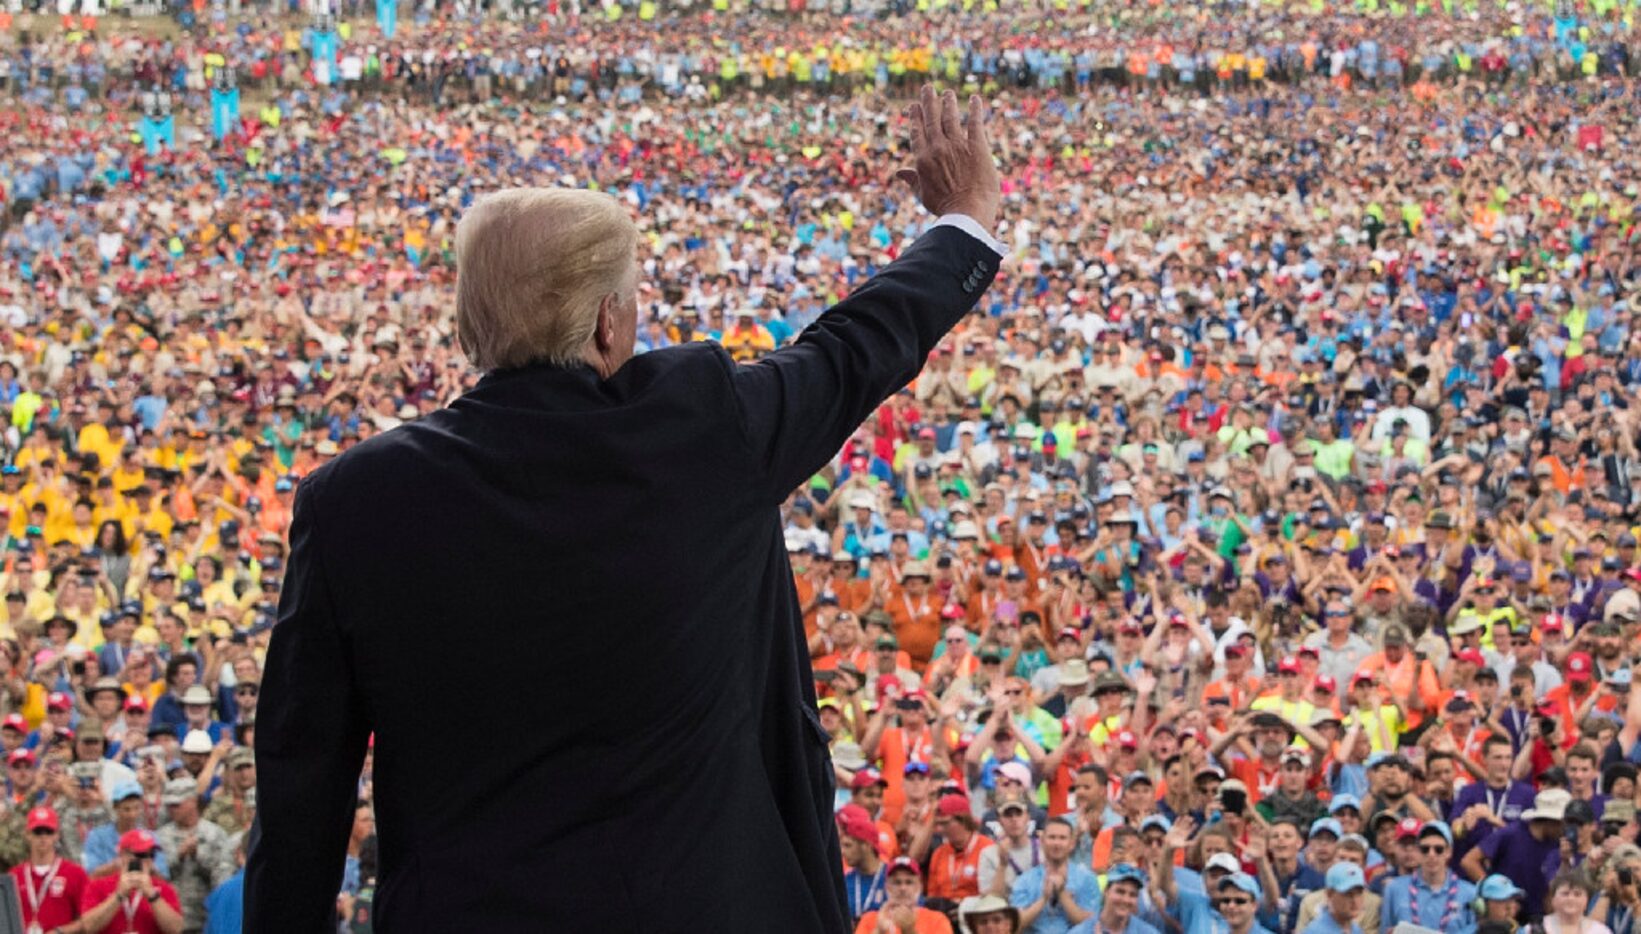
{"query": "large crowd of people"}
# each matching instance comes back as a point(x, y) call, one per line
point(1260, 556)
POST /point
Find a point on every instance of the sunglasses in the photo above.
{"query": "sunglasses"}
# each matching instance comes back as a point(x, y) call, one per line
point(1432, 848)
point(1234, 900)
point(42, 831)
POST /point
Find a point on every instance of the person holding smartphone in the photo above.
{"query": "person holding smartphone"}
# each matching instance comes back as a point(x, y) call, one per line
point(135, 900)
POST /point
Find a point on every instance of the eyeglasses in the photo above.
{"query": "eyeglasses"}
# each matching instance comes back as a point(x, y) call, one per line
point(1432, 848)
point(1234, 900)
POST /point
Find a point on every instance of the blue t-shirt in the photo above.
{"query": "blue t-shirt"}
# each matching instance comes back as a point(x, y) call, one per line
point(866, 893)
point(1448, 907)
point(1324, 924)
point(102, 844)
point(1081, 882)
point(1135, 926)
point(225, 906)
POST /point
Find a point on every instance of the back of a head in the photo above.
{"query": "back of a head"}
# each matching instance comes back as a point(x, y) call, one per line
point(532, 266)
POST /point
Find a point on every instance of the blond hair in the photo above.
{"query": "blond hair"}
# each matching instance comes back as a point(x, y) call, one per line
point(532, 265)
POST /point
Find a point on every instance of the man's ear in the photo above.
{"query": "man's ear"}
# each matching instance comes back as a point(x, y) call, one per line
point(604, 329)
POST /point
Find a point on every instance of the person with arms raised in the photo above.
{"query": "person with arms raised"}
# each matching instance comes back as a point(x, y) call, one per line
point(533, 500)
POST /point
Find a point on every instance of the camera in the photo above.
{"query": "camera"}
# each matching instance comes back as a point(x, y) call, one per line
point(1232, 801)
point(1625, 876)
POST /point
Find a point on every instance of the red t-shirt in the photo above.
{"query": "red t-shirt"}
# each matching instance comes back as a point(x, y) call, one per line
point(135, 916)
point(50, 895)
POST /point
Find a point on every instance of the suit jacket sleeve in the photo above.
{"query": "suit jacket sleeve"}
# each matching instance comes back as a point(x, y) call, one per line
point(310, 746)
point(800, 403)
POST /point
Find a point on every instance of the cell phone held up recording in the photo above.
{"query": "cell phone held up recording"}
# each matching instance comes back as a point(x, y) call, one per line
point(134, 864)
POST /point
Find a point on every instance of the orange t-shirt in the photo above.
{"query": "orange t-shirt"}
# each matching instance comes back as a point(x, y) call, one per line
point(894, 750)
point(955, 874)
point(917, 626)
point(928, 922)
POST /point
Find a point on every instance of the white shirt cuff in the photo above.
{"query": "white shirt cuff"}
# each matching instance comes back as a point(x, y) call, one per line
point(971, 227)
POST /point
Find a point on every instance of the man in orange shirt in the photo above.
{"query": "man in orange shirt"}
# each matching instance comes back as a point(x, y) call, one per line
point(1239, 686)
point(1405, 677)
point(916, 615)
point(954, 869)
point(893, 747)
point(900, 912)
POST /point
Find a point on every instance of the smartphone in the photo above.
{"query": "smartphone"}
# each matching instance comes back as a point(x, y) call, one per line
point(134, 865)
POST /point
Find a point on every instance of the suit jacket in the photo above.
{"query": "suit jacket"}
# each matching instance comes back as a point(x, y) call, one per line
point(564, 608)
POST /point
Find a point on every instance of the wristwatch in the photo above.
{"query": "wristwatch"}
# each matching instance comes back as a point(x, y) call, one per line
point(151, 899)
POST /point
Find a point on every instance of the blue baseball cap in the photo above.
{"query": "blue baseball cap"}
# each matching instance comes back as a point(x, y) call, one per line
point(1327, 825)
point(1497, 888)
point(1123, 872)
point(1345, 877)
point(1158, 821)
point(1340, 802)
point(1437, 827)
point(126, 789)
point(1243, 882)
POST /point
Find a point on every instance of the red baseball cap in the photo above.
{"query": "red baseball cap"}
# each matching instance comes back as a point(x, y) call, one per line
point(953, 806)
point(853, 821)
point(14, 722)
point(1408, 827)
point(1310, 650)
point(866, 778)
point(1360, 676)
point(1554, 621)
point(1578, 666)
point(19, 756)
point(952, 611)
point(42, 817)
point(1326, 683)
point(137, 842)
point(904, 864)
point(57, 700)
point(1130, 626)
point(1473, 656)
point(1071, 632)
point(1127, 739)
point(135, 703)
point(1289, 665)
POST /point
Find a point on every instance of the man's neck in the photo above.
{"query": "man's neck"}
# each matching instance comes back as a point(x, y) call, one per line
point(1434, 878)
point(1019, 841)
point(1113, 920)
point(1286, 867)
point(869, 866)
point(1056, 864)
point(42, 860)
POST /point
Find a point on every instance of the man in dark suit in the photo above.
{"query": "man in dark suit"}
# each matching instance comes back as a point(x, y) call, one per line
point(582, 510)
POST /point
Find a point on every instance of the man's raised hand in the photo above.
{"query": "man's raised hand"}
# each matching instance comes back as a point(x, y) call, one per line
point(952, 169)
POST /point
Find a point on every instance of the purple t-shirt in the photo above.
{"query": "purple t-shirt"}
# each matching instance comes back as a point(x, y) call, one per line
point(1507, 803)
point(1516, 854)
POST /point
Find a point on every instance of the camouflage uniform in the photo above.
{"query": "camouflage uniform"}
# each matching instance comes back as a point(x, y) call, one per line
point(196, 874)
point(14, 827)
point(76, 823)
point(222, 812)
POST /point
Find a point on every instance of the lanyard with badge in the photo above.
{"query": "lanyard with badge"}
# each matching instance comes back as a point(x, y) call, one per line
point(861, 905)
point(129, 906)
point(952, 859)
point(35, 898)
